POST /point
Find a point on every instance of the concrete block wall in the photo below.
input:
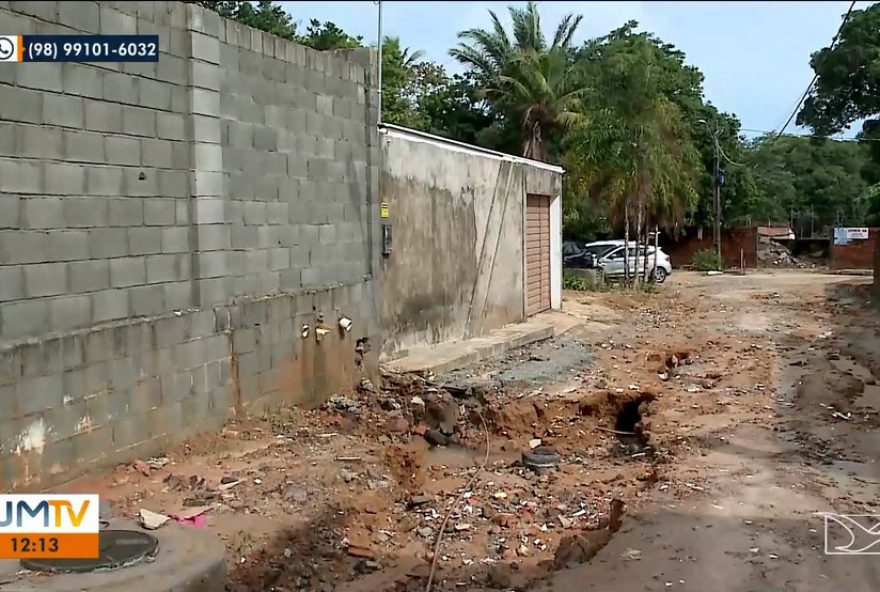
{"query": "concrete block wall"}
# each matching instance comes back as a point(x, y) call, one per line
point(299, 165)
point(94, 176)
point(166, 229)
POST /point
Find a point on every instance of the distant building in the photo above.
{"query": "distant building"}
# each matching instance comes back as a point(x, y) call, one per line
point(776, 232)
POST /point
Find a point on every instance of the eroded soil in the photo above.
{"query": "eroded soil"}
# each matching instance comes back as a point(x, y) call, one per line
point(698, 431)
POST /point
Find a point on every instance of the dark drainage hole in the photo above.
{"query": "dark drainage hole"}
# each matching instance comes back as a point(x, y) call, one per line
point(628, 424)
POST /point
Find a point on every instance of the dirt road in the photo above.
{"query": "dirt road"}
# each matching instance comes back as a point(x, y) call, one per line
point(721, 414)
point(764, 469)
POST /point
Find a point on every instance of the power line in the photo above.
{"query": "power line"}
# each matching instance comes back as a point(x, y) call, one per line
point(762, 131)
point(816, 76)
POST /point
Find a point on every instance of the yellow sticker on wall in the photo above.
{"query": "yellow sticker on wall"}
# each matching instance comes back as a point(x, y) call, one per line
point(384, 211)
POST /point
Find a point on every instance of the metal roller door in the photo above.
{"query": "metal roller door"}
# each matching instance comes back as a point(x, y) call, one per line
point(537, 254)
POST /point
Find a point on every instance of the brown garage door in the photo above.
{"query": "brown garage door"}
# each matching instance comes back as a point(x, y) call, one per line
point(537, 254)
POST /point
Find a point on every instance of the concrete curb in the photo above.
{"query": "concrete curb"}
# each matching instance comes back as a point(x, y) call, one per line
point(452, 356)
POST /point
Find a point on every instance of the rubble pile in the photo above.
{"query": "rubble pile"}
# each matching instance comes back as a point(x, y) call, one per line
point(773, 253)
point(376, 479)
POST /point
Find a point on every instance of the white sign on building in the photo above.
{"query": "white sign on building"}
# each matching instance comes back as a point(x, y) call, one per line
point(856, 233)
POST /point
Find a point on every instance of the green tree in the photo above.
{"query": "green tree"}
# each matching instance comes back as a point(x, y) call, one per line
point(816, 183)
point(847, 87)
point(536, 86)
point(327, 35)
point(453, 108)
point(489, 53)
point(263, 15)
point(633, 155)
point(401, 77)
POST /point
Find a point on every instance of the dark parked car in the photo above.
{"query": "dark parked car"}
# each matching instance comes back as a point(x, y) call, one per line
point(581, 255)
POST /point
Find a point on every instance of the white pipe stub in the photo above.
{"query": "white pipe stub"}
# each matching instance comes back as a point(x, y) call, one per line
point(345, 323)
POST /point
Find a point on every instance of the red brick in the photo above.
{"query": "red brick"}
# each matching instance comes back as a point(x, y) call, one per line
point(859, 254)
point(734, 241)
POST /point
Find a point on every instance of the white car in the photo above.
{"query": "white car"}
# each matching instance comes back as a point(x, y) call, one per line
point(610, 259)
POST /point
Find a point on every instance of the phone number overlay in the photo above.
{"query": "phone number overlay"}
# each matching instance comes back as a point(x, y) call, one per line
point(79, 48)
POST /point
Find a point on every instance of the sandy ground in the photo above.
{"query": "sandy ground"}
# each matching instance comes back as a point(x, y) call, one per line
point(744, 406)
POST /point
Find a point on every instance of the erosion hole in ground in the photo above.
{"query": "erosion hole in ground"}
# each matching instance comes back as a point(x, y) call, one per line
point(628, 417)
point(628, 422)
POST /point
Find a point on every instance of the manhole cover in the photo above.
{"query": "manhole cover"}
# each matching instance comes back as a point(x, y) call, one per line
point(117, 548)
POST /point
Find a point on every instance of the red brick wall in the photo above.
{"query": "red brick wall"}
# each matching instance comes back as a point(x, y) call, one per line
point(682, 251)
point(876, 266)
point(859, 254)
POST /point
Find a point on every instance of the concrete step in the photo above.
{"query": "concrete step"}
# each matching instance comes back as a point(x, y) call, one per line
point(446, 357)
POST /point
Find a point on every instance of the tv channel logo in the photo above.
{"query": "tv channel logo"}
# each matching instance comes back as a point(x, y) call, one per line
point(62, 526)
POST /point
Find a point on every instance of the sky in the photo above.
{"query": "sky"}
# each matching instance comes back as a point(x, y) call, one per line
point(755, 56)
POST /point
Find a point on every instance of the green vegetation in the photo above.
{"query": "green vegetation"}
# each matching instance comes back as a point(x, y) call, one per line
point(708, 260)
point(574, 282)
point(627, 116)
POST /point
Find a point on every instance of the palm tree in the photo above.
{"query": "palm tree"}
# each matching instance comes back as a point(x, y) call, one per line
point(399, 57)
point(536, 85)
point(543, 90)
point(398, 70)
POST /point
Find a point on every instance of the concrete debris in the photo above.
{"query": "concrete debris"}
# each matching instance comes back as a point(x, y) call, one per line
point(631, 555)
point(296, 493)
point(776, 254)
point(152, 520)
point(228, 484)
point(366, 386)
point(419, 500)
point(344, 404)
point(360, 551)
point(534, 443)
point(158, 462)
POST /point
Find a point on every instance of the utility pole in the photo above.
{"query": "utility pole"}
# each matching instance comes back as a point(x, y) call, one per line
point(717, 196)
point(716, 187)
point(379, 26)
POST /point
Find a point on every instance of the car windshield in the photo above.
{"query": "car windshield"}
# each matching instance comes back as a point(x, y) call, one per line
point(599, 250)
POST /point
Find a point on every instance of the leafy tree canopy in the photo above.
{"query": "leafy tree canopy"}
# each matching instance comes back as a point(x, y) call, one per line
point(847, 88)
